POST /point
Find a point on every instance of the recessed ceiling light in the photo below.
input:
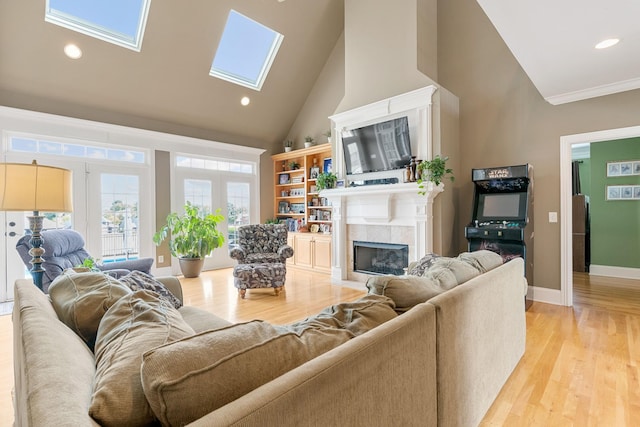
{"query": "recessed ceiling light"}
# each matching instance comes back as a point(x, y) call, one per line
point(245, 101)
point(72, 51)
point(607, 43)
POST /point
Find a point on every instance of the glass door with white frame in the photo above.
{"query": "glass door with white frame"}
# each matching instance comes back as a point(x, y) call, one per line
point(120, 206)
point(213, 184)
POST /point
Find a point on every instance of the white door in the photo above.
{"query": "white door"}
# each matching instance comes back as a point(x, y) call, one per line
point(210, 190)
point(119, 205)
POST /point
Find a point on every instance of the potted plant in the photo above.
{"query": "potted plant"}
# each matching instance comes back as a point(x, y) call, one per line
point(328, 135)
point(435, 171)
point(288, 145)
point(194, 235)
point(308, 141)
point(326, 180)
point(293, 165)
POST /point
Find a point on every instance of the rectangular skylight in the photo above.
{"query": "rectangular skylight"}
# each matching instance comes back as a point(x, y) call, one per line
point(245, 52)
point(121, 22)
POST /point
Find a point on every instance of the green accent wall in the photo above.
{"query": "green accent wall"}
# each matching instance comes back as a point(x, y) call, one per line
point(615, 225)
point(585, 177)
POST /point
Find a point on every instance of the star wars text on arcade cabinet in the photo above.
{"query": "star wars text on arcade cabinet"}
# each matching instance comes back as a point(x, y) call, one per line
point(502, 219)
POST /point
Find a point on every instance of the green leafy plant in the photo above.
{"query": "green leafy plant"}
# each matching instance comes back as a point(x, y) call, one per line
point(272, 221)
point(326, 180)
point(293, 165)
point(288, 143)
point(90, 263)
point(435, 171)
point(309, 139)
point(194, 234)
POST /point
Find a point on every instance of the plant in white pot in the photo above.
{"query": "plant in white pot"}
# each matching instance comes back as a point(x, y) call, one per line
point(288, 145)
point(193, 236)
point(327, 134)
point(308, 141)
point(435, 171)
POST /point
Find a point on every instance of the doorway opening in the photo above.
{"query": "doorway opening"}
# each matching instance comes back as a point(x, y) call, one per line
point(566, 247)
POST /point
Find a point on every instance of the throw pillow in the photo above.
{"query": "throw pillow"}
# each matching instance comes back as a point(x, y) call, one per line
point(216, 367)
point(405, 291)
point(134, 324)
point(418, 268)
point(81, 299)
point(137, 280)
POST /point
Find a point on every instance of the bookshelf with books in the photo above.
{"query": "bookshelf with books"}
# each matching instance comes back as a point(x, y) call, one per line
point(298, 204)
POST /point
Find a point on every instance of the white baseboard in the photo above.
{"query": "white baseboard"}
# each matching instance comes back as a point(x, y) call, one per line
point(623, 272)
point(545, 295)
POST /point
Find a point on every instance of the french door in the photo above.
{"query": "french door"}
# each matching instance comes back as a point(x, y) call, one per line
point(111, 208)
point(234, 194)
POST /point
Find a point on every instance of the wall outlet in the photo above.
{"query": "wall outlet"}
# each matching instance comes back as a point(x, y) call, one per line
point(553, 216)
point(160, 259)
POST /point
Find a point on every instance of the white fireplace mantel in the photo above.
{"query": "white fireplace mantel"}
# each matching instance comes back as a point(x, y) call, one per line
point(390, 205)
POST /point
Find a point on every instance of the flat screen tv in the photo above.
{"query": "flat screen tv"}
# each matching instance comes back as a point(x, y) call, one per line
point(378, 147)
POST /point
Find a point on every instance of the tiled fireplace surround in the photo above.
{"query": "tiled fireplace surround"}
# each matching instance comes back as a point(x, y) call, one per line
point(387, 213)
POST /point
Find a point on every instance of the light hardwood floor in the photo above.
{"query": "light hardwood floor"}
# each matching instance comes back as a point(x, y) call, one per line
point(580, 366)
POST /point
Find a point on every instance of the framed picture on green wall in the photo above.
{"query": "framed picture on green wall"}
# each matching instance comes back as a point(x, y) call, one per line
point(623, 192)
point(623, 168)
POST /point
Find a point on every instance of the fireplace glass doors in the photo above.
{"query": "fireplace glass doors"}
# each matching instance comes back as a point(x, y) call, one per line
point(380, 258)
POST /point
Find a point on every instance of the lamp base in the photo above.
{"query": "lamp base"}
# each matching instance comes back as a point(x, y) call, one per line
point(36, 251)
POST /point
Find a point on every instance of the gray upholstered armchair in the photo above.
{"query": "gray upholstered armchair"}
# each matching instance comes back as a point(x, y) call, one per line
point(261, 243)
point(65, 249)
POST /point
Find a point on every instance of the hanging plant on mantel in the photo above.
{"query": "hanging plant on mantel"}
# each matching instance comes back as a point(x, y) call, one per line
point(434, 170)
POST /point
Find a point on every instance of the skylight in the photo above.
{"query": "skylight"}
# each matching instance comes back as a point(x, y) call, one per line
point(120, 22)
point(246, 51)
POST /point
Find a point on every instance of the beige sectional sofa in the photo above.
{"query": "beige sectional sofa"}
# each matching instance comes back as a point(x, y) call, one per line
point(441, 362)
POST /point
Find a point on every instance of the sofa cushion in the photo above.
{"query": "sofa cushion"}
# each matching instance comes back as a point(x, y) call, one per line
point(408, 291)
point(134, 324)
point(214, 368)
point(357, 317)
point(450, 272)
point(418, 268)
point(81, 299)
point(137, 280)
point(483, 260)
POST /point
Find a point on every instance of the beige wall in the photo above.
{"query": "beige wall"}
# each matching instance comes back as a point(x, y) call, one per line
point(322, 101)
point(505, 121)
point(381, 50)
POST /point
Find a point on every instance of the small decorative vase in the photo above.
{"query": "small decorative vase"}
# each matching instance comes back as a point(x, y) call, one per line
point(287, 149)
point(308, 144)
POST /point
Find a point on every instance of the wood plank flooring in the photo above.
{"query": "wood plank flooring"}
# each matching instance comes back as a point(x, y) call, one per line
point(580, 366)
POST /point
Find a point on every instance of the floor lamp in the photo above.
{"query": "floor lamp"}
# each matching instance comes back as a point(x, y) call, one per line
point(32, 187)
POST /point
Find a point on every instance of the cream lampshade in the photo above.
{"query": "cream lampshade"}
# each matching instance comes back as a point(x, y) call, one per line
point(32, 187)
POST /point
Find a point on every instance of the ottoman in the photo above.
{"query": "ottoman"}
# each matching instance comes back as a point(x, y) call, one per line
point(261, 275)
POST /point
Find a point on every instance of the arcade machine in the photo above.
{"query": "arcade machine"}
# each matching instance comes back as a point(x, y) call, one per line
point(502, 219)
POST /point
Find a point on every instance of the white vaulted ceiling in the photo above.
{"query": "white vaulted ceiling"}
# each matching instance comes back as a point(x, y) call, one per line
point(554, 43)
